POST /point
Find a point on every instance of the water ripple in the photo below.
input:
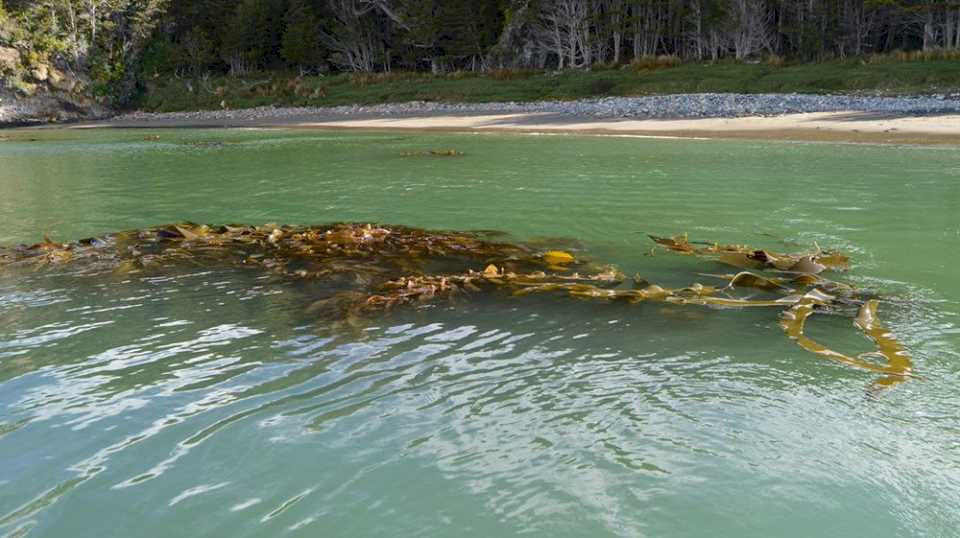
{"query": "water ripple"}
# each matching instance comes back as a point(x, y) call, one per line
point(212, 401)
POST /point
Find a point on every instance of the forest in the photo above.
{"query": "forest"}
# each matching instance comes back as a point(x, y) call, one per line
point(120, 42)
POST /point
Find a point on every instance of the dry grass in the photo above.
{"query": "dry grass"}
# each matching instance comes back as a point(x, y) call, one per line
point(512, 74)
point(651, 63)
point(899, 56)
point(774, 60)
point(363, 80)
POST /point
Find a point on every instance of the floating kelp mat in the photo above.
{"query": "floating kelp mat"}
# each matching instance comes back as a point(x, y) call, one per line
point(369, 269)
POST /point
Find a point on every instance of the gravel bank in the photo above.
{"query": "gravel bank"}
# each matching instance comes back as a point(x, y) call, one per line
point(687, 106)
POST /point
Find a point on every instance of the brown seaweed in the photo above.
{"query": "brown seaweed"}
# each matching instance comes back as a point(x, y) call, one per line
point(433, 153)
point(898, 363)
point(371, 268)
point(745, 257)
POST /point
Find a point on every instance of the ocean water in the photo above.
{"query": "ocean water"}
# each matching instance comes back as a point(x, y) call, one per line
point(215, 402)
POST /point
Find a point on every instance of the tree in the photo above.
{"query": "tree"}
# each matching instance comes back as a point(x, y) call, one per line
point(421, 21)
point(469, 29)
point(355, 32)
point(301, 45)
point(198, 50)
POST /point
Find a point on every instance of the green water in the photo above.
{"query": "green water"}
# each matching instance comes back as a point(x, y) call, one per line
point(212, 403)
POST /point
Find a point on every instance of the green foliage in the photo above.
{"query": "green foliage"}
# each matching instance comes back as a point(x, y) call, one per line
point(197, 50)
point(251, 37)
point(161, 55)
point(126, 44)
point(301, 45)
point(529, 85)
point(98, 38)
point(106, 75)
point(451, 35)
point(602, 86)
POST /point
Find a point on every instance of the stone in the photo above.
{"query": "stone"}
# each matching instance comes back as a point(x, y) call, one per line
point(9, 59)
point(60, 80)
point(26, 89)
point(659, 106)
point(55, 76)
point(40, 73)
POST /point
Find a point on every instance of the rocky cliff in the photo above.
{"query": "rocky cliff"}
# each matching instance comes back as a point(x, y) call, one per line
point(35, 91)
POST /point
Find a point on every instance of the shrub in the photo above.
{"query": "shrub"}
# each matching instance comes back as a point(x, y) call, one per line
point(511, 74)
point(161, 55)
point(650, 63)
point(461, 74)
point(601, 67)
point(601, 86)
point(366, 79)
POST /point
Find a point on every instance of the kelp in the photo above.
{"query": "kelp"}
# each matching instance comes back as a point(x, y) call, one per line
point(745, 257)
point(802, 272)
point(368, 269)
point(898, 363)
point(433, 153)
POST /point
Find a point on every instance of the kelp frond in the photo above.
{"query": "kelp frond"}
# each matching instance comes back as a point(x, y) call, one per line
point(370, 268)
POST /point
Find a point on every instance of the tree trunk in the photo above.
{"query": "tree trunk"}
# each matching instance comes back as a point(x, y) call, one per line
point(929, 34)
point(948, 29)
point(616, 47)
point(559, 41)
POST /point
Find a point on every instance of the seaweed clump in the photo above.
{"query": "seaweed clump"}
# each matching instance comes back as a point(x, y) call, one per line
point(433, 153)
point(369, 268)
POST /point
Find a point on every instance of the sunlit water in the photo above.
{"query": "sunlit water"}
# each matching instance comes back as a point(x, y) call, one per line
point(212, 403)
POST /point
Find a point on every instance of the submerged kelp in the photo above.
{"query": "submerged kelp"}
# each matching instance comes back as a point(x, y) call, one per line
point(433, 153)
point(745, 257)
point(370, 268)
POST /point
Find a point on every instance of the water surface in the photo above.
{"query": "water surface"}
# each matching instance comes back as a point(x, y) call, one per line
point(212, 402)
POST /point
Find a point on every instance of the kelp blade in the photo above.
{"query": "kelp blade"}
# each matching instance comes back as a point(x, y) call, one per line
point(898, 364)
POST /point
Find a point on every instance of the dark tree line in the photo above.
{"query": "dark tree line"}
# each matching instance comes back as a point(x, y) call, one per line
point(240, 36)
point(382, 35)
point(327, 35)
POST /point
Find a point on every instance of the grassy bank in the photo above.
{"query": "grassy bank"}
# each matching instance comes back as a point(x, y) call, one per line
point(888, 78)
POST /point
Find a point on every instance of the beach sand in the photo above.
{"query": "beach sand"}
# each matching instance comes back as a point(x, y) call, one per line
point(856, 127)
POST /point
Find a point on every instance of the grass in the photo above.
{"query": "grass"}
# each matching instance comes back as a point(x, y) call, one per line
point(897, 76)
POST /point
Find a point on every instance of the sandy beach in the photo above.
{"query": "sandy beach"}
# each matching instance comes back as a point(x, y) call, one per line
point(824, 126)
point(855, 126)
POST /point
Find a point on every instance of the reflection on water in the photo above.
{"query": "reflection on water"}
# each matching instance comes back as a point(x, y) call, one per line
point(213, 402)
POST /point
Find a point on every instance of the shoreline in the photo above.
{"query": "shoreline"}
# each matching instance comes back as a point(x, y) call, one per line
point(926, 120)
point(839, 127)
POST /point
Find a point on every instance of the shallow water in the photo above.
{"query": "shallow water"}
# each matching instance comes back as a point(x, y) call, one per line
point(212, 402)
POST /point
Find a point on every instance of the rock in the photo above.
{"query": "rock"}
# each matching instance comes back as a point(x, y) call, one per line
point(26, 89)
point(16, 108)
point(9, 59)
point(40, 73)
point(657, 107)
point(60, 80)
point(55, 75)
